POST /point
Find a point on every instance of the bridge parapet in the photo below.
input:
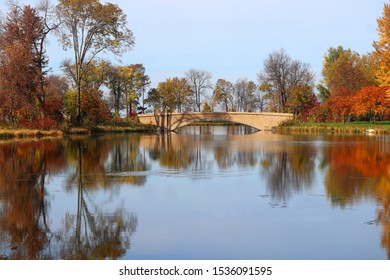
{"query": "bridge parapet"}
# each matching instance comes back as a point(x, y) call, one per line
point(173, 121)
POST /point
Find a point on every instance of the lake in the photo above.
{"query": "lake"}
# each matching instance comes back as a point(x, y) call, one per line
point(207, 192)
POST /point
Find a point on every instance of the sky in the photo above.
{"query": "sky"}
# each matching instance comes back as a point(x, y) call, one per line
point(232, 38)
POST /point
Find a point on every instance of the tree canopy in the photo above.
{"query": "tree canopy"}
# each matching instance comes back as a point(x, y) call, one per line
point(90, 28)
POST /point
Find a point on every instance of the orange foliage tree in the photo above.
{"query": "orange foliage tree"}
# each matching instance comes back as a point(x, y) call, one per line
point(382, 50)
point(340, 103)
point(20, 65)
point(344, 73)
point(371, 101)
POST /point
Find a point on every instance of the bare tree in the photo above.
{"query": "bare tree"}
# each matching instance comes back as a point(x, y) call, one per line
point(244, 93)
point(281, 74)
point(51, 24)
point(261, 99)
point(199, 82)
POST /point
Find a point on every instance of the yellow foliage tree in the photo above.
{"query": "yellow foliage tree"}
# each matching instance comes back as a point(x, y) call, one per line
point(382, 48)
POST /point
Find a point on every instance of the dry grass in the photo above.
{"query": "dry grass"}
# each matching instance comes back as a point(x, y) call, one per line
point(24, 133)
point(379, 128)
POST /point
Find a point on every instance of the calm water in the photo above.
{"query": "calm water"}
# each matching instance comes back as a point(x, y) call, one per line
point(204, 193)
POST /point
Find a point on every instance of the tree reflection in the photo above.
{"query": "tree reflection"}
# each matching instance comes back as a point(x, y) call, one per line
point(174, 152)
point(360, 171)
point(25, 166)
point(107, 161)
point(90, 233)
point(288, 170)
point(89, 164)
point(191, 152)
point(226, 156)
point(223, 156)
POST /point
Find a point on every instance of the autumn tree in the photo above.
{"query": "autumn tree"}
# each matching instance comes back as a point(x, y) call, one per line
point(134, 83)
point(127, 86)
point(207, 108)
point(181, 91)
point(200, 82)
point(55, 88)
point(94, 75)
point(344, 73)
point(340, 104)
point(223, 94)
point(382, 47)
point(154, 99)
point(169, 95)
point(344, 68)
point(301, 100)
point(90, 28)
point(114, 83)
point(21, 64)
point(371, 101)
point(281, 73)
point(262, 96)
point(93, 107)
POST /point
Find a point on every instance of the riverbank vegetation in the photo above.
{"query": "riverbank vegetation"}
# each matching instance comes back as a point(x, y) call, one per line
point(92, 92)
point(379, 128)
point(125, 127)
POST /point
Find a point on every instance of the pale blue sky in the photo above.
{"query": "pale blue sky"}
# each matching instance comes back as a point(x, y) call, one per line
point(231, 38)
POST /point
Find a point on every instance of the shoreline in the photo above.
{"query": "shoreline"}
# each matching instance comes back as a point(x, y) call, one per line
point(336, 128)
point(303, 128)
point(11, 134)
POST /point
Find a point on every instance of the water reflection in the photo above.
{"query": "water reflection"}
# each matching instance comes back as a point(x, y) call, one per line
point(359, 169)
point(103, 158)
point(289, 170)
point(89, 232)
point(25, 167)
point(90, 173)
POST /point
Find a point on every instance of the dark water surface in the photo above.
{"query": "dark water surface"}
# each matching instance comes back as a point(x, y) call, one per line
point(204, 193)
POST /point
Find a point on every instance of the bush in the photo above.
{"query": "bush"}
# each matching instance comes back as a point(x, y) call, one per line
point(43, 124)
point(290, 122)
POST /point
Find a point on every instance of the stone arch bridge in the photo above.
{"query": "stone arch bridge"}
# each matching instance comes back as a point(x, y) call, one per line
point(173, 121)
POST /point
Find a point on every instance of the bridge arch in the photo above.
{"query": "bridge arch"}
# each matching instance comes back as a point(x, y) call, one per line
point(260, 121)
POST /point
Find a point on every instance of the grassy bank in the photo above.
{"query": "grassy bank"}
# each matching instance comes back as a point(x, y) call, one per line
point(107, 128)
point(122, 127)
point(379, 128)
point(28, 133)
